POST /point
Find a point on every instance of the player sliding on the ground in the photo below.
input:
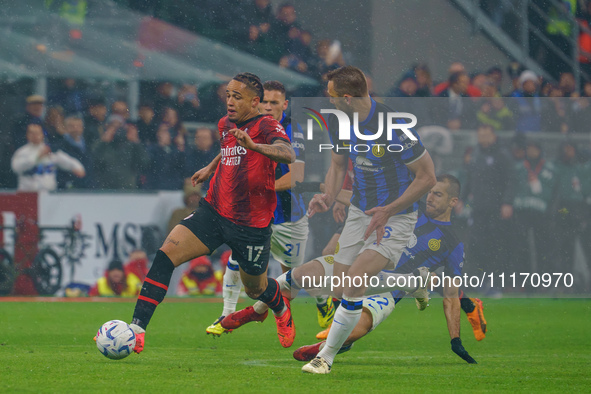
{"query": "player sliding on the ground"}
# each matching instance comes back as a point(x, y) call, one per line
point(471, 306)
point(290, 223)
point(432, 245)
point(238, 209)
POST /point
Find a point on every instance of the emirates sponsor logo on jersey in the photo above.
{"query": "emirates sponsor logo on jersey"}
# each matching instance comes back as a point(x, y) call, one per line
point(231, 156)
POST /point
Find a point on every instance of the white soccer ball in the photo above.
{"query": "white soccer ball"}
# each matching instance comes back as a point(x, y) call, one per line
point(115, 339)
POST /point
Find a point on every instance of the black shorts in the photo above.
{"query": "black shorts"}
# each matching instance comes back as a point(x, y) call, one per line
point(250, 245)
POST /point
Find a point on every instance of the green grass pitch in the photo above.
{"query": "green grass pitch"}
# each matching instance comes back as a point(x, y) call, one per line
point(532, 345)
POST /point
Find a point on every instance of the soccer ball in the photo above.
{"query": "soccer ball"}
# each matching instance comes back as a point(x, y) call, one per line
point(115, 339)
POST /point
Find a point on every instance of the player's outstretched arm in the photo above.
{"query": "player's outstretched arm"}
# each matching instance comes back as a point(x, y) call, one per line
point(451, 308)
point(279, 151)
point(203, 174)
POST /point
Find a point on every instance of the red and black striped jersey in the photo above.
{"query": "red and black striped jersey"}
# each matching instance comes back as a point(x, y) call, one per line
point(243, 187)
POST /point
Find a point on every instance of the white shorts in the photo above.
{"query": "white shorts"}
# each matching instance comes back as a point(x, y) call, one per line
point(288, 242)
point(399, 229)
point(380, 306)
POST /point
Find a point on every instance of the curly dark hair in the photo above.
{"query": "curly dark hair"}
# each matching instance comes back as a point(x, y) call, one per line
point(252, 82)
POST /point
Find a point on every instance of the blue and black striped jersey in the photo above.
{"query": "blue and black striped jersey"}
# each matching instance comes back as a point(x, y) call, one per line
point(381, 175)
point(290, 205)
point(433, 244)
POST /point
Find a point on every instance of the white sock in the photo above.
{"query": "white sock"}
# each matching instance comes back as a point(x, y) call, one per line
point(260, 307)
point(231, 290)
point(388, 281)
point(343, 324)
point(284, 287)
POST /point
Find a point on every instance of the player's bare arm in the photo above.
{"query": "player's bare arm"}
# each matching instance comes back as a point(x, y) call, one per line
point(333, 182)
point(452, 308)
point(424, 179)
point(279, 151)
point(344, 197)
point(203, 174)
point(295, 174)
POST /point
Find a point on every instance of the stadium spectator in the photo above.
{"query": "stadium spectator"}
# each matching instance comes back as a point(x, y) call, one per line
point(567, 84)
point(405, 87)
point(146, 124)
point(458, 112)
point(328, 57)
point(294, 61)
point(490, 89)
point(555, 112)
point(517, 147)
point(495, 76)
point(200, 279)
point(214, 105)
point(73, 144)
point(54, 125)
point(204, 150)
point(167, 163)
point(580, 115)
point(284, 27)
point(463, 211)
point(175, 127)
point(119, 112)
point(94, 120)
point(586, 89)
point(487, 187)
point(115, 282)
point(36, 165)
point(298, 51)
point(69, 96)
point(586, 231)
point(424, 81)
point(164, 99)
point(514, 69)
point(569, 205)
point(494, 112)
point(188, 103)
point(7, 177)
point(559, 30)
point(137, 264)
point(33, 114)
point(456, 67)
point(527, 104)
point(260, 40)
point(119, 157)
point(533, 185)
point(479, 80)
point(191, 198)
point(260, 16)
